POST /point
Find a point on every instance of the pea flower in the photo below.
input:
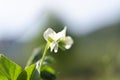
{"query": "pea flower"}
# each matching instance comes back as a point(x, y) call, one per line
point(57, 39)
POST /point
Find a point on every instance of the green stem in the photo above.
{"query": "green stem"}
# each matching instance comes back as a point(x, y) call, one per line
point(44, 54)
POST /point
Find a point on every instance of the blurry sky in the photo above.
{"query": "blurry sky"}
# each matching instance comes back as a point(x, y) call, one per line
point(24, 17)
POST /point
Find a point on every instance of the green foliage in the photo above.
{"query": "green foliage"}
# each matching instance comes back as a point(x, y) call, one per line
point(49, 60)
point(8, 69)
point(11, 71)
point(47, 73)
point(30, 73)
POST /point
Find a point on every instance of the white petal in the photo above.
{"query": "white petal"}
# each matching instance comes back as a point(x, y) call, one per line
point(61, 34)
point(52, 45)
point(69, 41)
point(56, 48)
point(49, 33)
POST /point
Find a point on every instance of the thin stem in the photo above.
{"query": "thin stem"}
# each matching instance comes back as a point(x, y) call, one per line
point(44, 54)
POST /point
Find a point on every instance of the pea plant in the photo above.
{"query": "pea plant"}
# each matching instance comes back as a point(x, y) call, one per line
point(37, 69)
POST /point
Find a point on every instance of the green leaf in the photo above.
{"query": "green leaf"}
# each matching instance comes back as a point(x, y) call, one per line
point(36, 73)
point(30, 73)
point(47, 73)
point(8, 69)
point(49, 60)
point(2, 76)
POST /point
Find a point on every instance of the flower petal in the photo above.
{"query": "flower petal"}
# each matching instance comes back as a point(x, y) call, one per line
point(52, 45)
point(68, 41)
point(61, 34)
point(56, 48)
point(49, 33)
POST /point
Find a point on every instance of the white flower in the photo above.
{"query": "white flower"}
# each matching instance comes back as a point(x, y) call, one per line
point(58, 39)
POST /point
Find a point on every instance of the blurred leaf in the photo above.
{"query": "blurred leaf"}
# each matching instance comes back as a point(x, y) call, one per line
point(36, 55)
point(49, 60)
point(3, 77)
point(47, 73)
point(8, 69)
point(36, 73)
point(30, 73)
